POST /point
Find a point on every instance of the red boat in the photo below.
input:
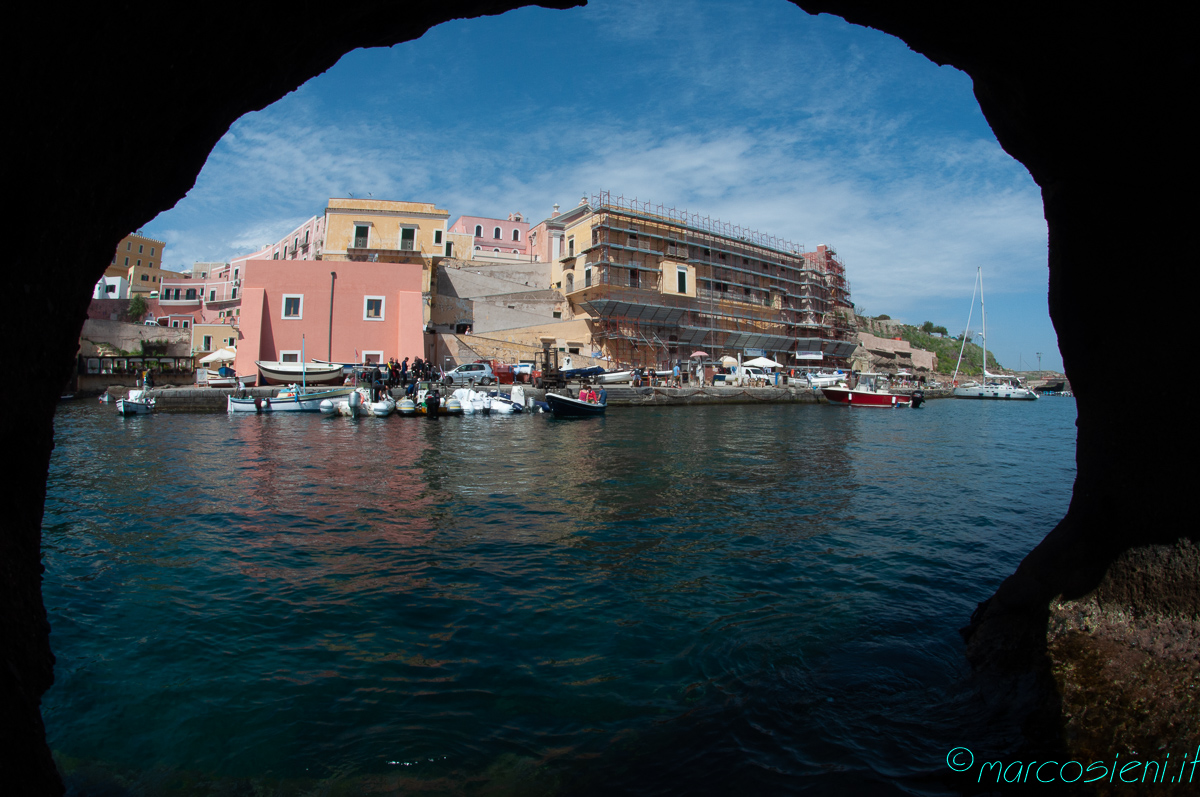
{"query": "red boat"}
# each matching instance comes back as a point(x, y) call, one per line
point(867, 392)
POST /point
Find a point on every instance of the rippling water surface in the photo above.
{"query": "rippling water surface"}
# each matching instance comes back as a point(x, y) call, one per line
point(751, 599)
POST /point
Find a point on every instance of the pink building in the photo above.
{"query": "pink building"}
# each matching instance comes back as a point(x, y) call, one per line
point(495, 235)
point(340, 310)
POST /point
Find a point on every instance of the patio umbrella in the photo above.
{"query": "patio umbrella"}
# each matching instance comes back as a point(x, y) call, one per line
point(226, 354)
point(699, 353)
point(764, 362)
point(728, 361)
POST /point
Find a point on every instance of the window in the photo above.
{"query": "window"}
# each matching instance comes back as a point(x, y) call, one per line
point(633, 278)
point(129, 246)
point(372, 308)
point(139, 249)
point(587, 278)
point(233, 295)
point(361, 234)
point(437, 237)
point(145, 278)
point(449, 248)
point(293, 305)
point(306, 237)
point(516, 235)
point(139, 261)
point(276, 255)
point(191, 294)
point(187, 324)
point(681, 278)
point(289, 356)
point(149, 264)
point(235, 273)
point(496, 250)
point(571, 246)
point(408, 237)
point(558, 313)
point(516, 252)
point(152, 251)
point(496, 233)
point(127, 261)
point(212, 295)
point(208, 343)
point(478, 230)
point(230, 341)
point(110, 288)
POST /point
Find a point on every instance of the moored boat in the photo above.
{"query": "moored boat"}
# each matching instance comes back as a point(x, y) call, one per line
point(136, 402)
point(867, 392)
point(291, 399)
point(568, 407)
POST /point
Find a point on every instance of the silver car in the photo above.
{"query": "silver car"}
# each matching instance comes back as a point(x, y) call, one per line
point(479, 373)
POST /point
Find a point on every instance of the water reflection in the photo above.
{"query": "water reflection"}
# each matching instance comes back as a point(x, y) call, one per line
point(674, 597)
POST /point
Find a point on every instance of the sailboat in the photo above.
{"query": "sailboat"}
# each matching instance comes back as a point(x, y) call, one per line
point(993, 386)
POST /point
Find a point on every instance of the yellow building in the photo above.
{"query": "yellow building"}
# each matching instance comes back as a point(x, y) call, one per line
point(385, 231)
point(139, 260)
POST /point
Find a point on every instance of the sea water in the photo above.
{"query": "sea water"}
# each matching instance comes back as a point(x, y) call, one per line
point(753, 599)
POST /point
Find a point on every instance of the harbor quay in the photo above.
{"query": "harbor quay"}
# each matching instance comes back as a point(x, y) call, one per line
point(207, 399)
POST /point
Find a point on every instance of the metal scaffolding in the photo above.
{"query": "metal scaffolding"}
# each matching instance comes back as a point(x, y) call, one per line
point(738, 288)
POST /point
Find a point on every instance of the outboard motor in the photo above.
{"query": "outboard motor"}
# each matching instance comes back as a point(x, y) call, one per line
point(918, 398)
point(432, 402)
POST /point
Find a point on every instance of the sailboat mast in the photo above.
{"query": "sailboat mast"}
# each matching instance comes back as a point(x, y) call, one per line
point(970, 312)
point(983, 316)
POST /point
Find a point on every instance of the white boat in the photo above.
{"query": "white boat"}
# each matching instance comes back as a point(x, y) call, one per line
point(406, 406)
point(137, 402)
point(511, 404)
point(230, 379)
point(351, 405)
point(290, 399)
point(824, 379)
point(473, 402)
point(994, 386)
point(382, 408)
point(997, 386)
point(285, 373)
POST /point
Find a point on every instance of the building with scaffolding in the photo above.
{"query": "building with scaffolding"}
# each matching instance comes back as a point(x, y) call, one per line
point(659, 283)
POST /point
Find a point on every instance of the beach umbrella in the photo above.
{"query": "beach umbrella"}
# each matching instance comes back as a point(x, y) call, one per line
point(699, 353)
point(728, 361)
point(226, 354)
point(764, 362)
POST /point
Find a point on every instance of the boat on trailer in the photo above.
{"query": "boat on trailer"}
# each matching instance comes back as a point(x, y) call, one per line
point(285, 373)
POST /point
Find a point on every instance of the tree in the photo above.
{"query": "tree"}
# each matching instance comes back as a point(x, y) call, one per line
point(928, 328)
point(137, 308)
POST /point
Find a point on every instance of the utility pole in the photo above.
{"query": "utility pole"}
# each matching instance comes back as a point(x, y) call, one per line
point(1039, 356)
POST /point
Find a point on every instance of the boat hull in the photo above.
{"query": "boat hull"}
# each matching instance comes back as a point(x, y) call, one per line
point(995, 393)
point(286, 402)
point(280, 373)
point(131, 407)
point(567, 407)
point(862, 398)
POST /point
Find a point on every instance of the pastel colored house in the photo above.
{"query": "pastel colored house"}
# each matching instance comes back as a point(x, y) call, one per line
point(494, 236)
point(338, 310)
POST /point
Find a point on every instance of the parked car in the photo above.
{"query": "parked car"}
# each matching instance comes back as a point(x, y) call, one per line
point(479, 373)
point(754, 373)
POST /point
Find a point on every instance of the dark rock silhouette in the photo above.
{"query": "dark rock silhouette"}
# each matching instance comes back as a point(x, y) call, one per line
point(1091, 102)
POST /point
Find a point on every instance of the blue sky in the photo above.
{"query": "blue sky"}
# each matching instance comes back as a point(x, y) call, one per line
point(753, 112)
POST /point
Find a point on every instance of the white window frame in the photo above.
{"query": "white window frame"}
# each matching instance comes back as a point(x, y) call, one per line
point(206, 343)
point(289, 353)
point(378, 355)
point(382, 308)
point(437, 237)
point(283, 307)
